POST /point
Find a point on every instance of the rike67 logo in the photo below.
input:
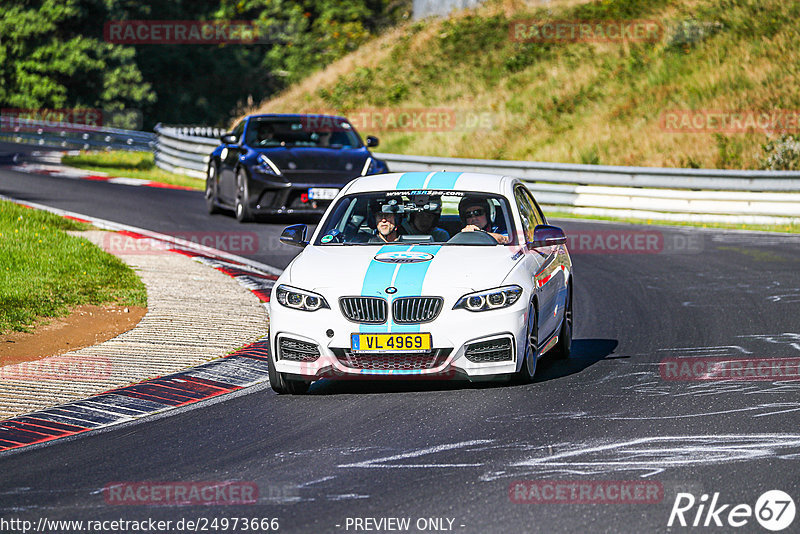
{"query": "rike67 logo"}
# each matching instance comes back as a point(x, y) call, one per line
point(774, 510)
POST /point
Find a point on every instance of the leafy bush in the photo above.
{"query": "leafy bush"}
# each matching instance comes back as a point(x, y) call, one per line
point(782, 154)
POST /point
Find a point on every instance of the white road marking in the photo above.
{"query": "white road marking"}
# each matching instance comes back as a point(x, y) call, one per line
point(382, 462)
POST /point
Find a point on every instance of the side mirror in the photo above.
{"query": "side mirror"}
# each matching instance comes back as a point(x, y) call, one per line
point(372, 141)
point(295, 235)
point(545, 235)
point(229, 139)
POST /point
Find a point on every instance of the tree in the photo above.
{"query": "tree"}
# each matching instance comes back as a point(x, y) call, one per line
point(52, 56)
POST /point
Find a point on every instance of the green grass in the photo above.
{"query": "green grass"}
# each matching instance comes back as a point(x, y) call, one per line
point(130, 165)
point(783, 228)
point(44, 271)
point(576, 102)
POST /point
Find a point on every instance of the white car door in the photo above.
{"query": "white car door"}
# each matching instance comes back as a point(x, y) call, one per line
point(544, 267)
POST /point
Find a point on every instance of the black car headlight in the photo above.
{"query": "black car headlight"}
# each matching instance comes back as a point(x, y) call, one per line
point(490, 299)
point(267, 166)
point(299, 299)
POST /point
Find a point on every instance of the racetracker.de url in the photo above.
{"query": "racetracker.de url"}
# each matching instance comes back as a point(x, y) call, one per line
point(198, 524)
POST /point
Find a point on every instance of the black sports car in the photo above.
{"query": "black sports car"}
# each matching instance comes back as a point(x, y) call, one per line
point(286, 164)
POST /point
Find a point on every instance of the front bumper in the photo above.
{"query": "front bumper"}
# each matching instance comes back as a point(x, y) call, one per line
point(452, 333)
point(270, 194)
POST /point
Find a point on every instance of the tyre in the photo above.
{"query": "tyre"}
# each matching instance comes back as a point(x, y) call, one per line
point(528, 370)
point(564, 346)
point(241, 207)
point(282, 385)
point(211, 189)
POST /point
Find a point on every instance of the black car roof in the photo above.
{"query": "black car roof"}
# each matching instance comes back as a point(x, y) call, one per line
point(292, 115)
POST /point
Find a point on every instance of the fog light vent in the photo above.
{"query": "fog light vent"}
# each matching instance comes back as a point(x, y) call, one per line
point(296, 350)
point(495, 350)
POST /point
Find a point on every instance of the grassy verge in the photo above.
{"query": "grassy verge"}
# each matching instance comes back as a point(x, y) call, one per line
point(45, 271)
point(784, 228)
point(574, 102)
point(130, 165)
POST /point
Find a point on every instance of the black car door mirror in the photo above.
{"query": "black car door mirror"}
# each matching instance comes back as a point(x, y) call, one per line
point(295, 235)
point(229, 139)
point(372, 141)
point(545, 235)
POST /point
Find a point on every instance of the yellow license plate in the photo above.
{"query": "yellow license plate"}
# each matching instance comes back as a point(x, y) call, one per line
point(390, 342)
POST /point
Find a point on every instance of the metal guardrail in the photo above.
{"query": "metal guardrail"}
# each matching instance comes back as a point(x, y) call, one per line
point(656, 177)
point(73, 136)
point(696, 195)
point(185, 149)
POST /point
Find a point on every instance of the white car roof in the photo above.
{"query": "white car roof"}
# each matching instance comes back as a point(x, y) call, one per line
point(436, 180)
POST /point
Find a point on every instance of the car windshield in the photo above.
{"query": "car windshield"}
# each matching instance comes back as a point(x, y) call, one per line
point(316, 131)
point(418, 217)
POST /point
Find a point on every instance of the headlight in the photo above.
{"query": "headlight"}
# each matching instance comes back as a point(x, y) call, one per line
point(490, 299)
point(299, 299)
point(268, 166)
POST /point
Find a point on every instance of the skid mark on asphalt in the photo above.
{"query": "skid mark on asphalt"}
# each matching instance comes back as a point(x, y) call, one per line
point(775, 347)
point(650, 383)
point(790, 339)
point(762, 410)
point(714, 350)
point(785, 298)
point(646, 456)
point(653, 455)
point(395, 461)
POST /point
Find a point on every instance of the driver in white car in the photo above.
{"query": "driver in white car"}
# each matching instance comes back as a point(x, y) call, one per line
point(474, 213)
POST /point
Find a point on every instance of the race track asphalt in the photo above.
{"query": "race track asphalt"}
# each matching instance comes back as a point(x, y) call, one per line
point(453, 450)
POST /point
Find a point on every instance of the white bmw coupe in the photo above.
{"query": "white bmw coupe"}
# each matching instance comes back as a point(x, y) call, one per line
point(422, 274)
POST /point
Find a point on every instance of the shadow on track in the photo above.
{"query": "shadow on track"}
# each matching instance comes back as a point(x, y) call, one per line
point(585, 353)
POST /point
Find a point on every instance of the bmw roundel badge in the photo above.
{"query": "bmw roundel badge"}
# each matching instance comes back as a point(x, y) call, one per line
point(391, 290)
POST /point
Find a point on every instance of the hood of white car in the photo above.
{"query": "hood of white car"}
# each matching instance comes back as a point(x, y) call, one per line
point(412, 269)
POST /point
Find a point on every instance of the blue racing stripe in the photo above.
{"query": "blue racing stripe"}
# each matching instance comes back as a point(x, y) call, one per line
point(443, 180)
point(410, 278)
point(412, 180)
point(377, 278)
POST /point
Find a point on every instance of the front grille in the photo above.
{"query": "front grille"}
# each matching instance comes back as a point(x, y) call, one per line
point(416, 309)
point(267, 200)
point(495, 350)
point(296, 350)
point(368, 310)
point(392, 361)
